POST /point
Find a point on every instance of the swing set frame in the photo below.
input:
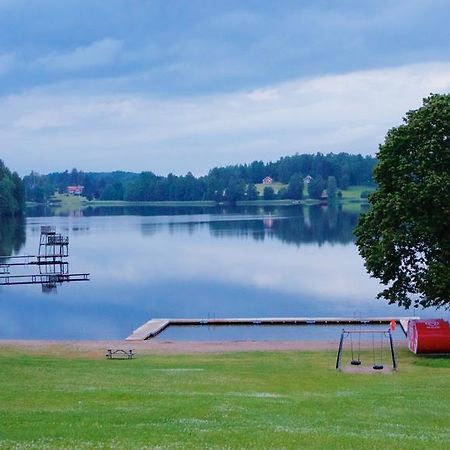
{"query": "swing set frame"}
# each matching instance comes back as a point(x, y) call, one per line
point(345, 334)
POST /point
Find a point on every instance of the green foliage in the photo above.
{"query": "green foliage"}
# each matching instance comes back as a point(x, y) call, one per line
point(268, 193)
point(273, 400)
point(252, 192)
point(113, 192)
point(12, 194)
point(344, 181)
point(405, 236)
point(282, 193)
point(235, 191)
point(316, 187)
point(295, 187)
point(331, 189)
point(146, 186)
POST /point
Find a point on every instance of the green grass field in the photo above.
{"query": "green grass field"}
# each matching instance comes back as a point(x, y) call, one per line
point(353, 193)
point(276, 186)
point(232, 400)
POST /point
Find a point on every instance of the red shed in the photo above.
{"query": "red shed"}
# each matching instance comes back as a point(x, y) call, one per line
point(429, 336)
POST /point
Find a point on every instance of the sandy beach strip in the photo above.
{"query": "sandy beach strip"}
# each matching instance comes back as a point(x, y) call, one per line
point(99, 347)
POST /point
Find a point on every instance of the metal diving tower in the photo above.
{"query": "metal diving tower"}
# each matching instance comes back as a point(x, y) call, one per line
point(51, 261)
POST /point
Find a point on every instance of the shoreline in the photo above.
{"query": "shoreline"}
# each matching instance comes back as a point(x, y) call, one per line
point(98, 347)
point(199, 203)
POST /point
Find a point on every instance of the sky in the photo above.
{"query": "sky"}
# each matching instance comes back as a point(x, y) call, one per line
point(186, 85)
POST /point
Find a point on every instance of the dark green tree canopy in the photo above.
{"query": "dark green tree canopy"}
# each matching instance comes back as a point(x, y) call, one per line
point(295, 187)
point(332, 189)
point(252, 192)
point(12, 194)
point(268, 193)
point(316, 187)
point(405, 236)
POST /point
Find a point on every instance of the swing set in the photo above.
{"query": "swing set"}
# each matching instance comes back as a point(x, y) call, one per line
point(375, 337)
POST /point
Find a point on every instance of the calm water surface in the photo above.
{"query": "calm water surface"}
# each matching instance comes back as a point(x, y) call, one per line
point(152, 262)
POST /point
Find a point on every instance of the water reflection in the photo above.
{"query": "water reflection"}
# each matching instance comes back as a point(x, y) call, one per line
point(315, 224)
point(12, 235)
point(48, 268)
point(292, 225)
point(152, 262)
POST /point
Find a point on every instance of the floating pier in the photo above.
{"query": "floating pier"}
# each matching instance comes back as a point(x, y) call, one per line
point(153, 327)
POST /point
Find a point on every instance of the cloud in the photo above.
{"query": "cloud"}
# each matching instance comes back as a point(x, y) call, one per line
point(103, 129)
point(261, 95)
point(98, 54)
point(7, 61)
point(299, 271)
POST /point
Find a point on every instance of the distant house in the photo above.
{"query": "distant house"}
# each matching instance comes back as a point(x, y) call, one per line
point(267, 180)
point(307, 179)
point(75, 190)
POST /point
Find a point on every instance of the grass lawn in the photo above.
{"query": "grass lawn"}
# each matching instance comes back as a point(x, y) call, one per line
point(353, 193)
point(276, 186)
point(232, 400)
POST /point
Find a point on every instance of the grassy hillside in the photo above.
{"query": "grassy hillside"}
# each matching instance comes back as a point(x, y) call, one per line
point(235, 400)
point(276, 186)
point(353, 193)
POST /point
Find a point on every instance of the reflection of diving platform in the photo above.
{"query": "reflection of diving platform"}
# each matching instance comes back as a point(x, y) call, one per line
point(155, 326)
point(43, 278)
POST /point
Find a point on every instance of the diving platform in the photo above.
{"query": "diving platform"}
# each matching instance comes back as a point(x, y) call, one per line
point(154, 327)
point(51, 261)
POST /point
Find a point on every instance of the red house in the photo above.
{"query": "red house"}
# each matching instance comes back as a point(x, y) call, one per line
point(267, 180)
point(75, 190)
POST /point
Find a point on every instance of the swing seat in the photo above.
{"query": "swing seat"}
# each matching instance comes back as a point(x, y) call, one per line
point(378, 367)
point(355, 362)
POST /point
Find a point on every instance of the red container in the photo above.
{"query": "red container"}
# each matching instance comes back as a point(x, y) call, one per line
point(429, 336)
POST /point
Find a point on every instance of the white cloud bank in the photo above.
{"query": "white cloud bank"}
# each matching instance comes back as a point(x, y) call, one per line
point(64, 127)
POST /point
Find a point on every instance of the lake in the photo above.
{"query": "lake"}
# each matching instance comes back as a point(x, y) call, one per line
point(154, 262)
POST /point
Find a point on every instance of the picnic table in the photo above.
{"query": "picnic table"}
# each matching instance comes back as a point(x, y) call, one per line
point(119, 354)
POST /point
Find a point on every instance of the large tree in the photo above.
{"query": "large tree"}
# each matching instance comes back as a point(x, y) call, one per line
point(316, 187)
point(405, 236)
point(295, 187)
point(12, 194)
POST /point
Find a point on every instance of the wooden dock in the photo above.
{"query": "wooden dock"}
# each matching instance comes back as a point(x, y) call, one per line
point(155, 326)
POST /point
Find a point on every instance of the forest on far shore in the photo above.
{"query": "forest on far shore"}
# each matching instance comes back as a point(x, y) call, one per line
point(230, 183)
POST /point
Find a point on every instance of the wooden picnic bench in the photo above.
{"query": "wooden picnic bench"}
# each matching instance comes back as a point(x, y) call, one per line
point(119, 354)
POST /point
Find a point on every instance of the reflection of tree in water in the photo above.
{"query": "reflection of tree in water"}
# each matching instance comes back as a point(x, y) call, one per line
point(12, 235)
point(138, 210)
point(291, 224)
point(313, 224)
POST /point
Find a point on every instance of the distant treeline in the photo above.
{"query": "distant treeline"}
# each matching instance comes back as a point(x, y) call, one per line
point(12, 193)
point(231, 183)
